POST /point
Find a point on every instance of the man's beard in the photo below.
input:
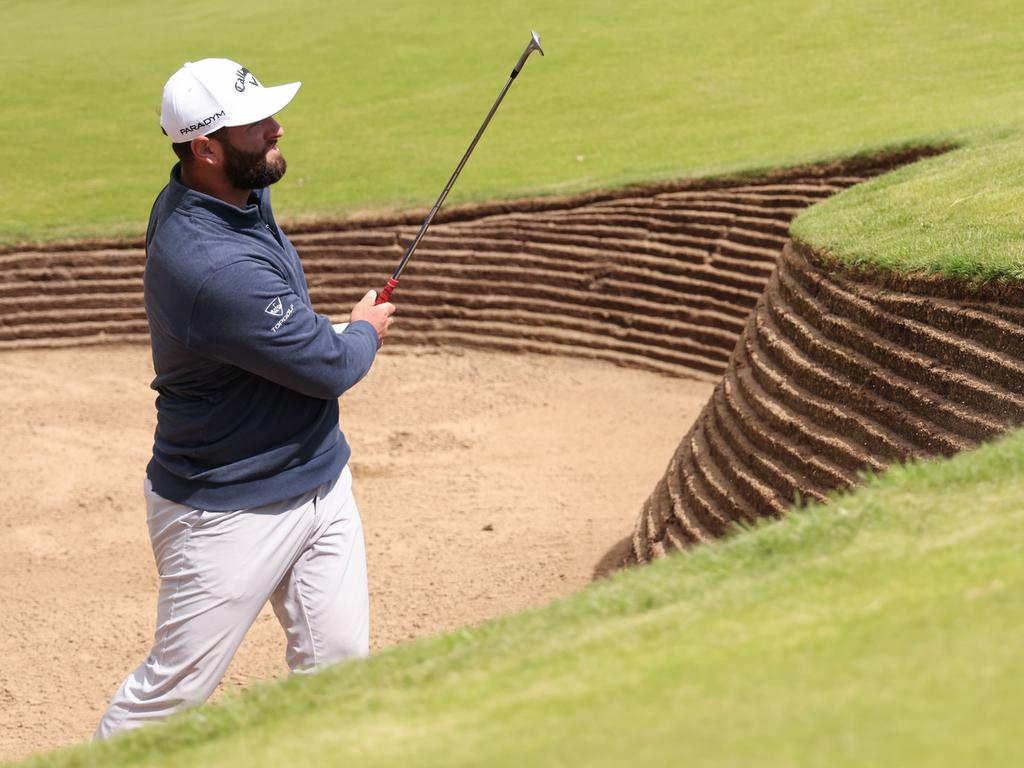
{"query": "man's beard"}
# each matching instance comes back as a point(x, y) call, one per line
point(251, 170)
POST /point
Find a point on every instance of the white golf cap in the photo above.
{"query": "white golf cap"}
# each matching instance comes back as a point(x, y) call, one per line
point(206, 95)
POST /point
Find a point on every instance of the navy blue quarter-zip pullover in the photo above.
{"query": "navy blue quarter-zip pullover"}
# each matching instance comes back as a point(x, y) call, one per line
point(248, 375)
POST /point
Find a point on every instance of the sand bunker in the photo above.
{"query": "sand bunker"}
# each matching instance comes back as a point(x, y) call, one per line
point(488, 482)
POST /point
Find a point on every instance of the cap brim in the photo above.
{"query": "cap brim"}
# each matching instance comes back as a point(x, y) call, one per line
point(272, 100)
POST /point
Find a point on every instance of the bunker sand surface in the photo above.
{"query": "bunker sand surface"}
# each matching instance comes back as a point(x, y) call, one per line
point(508, 482)
point(488, 483)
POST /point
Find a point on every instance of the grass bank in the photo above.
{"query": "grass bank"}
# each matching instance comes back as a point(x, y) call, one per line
point(960, 215)
point(878, 630)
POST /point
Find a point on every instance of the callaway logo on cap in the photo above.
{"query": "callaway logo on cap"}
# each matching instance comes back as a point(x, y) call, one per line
point(206, 95)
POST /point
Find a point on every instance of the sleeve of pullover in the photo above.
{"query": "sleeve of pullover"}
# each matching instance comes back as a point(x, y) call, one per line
point(247, 315)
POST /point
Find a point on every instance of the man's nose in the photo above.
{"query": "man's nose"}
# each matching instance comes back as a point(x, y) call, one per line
point(274, 129)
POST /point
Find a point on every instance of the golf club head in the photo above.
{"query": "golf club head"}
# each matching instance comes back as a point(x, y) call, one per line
point(533, 46)
point(535, 42)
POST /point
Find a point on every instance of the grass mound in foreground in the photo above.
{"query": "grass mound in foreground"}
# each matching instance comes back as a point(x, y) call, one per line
point(879, 630)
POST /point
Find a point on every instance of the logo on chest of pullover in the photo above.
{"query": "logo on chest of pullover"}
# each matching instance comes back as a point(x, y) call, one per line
point(275, 308)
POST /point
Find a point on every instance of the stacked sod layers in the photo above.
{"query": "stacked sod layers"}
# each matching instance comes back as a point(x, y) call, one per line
point(838, 372)
point(659, 277)
point(822, 372)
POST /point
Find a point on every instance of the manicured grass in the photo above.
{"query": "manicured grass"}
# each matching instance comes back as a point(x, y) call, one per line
point(394, 90)
point(878, 630)
point(960, 215)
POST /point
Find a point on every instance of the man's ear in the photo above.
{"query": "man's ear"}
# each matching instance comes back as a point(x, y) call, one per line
point(206, 151)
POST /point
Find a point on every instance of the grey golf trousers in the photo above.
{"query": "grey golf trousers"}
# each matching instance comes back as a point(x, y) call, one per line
point(217, 571)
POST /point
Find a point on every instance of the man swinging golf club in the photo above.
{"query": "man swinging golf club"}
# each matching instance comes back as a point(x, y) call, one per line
point(248, 494)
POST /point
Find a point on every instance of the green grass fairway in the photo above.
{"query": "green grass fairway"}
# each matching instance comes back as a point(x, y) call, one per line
point(881, 630)
point(393, 91)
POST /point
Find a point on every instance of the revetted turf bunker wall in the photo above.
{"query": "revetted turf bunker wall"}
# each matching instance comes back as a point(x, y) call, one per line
point(837, 372)
point(661, 277)
point(833, 372)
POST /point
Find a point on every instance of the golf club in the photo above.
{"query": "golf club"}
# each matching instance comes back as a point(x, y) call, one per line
point(392, 283)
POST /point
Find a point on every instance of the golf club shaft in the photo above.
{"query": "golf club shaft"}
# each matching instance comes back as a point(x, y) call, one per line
point(392, 283)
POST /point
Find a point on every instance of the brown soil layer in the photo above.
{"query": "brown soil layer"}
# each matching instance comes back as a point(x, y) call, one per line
point(838, 372)
point(661, 277)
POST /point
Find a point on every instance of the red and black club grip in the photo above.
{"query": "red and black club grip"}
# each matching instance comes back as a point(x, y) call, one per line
point(385, 295)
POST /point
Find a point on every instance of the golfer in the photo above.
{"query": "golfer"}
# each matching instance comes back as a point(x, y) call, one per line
point(248, 494)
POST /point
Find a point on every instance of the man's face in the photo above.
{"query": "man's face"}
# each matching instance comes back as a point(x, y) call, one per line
point(251, 156)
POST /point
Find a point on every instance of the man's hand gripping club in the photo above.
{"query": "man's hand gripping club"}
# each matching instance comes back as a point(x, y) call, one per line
point(380, 316)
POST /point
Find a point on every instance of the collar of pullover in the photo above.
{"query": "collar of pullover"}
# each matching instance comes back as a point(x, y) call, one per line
point(190, 201)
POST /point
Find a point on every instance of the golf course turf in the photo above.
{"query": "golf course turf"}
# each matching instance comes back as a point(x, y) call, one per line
point(874, 629)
